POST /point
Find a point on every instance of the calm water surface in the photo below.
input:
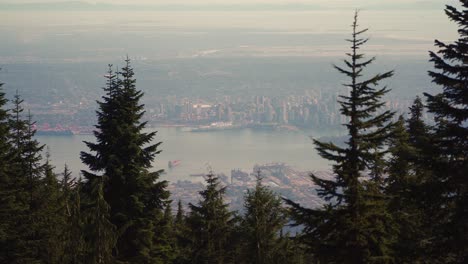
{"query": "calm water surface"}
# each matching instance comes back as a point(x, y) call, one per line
point(220, 150)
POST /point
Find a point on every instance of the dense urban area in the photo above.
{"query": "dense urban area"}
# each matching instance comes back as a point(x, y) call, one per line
point(313, 110)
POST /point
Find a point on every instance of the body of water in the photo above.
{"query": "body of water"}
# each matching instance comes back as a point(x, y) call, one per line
point(219, 150)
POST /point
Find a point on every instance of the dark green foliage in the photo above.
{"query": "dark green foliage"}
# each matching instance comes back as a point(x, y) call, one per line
point(26, 172)
point(210, 225)
point(403, 186)
point(10, 206)
point(292, 251)
point(182, 236)
point(30, 155)
point(50, 216)
point(4, 129)
point(32, 207)
point(264, 218)
point(424, 195)
point(450, 108)
point(99, 232)
point(124, 153)
point(354, 225)
point(180, 216)
point(29, 192)
point(165, 241)
point(417, 129)
point(72, 229)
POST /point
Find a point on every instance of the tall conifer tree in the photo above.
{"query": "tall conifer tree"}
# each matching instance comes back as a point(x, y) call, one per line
point(124, 153)
point(100, 234)
point(263, 220)
point(354, 226)
point(10, 206)
point(426, 191)
point(210, 224)
point(403, 186)
point(450, 108)
point(73, 226)
point(26, 171)
point(51, 220)
point(182, 236)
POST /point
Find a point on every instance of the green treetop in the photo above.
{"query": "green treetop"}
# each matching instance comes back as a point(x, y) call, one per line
point(210, 224)
point(354, 226)
point(123, 155)
point(263, 220)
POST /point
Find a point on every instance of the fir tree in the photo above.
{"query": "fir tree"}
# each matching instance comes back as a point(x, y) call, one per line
point(210, 224)
point(420, 139)
point(291, 251)
point(5, 146)
point(450, 108)
point(32, 157)
point(10, 206)
point(165, 241)
point(73, 226)
point(354, 225)
point(403, 186)
point(182, 236)
point(100, 235)
point(263, 220)
point(26, 170)
point(180, 215)
point(418, 131)
point(124, 153)
point(426, 190)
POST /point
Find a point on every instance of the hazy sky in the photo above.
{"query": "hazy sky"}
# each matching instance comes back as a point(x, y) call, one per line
point(219, 28)
point(324, 3)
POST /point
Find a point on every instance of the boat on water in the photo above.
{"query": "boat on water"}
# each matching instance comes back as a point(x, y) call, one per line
point(173, 163)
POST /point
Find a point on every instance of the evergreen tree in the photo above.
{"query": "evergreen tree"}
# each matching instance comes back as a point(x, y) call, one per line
point(180, 216)
point(165, 241)
point(291, 251)
point(51, 217)
point(354, 225)
point(124, 153)
point(26, 171)
point(421, 141)
point(182, 236)
point(10, 206)
point(450, 108)
point(263, 220)
point(417, 129)
point(210, 223)
point(402, 186)
point(4, 131)
point(426, 190)
point(100, 235)
point(32, 150)
point(73, 226)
